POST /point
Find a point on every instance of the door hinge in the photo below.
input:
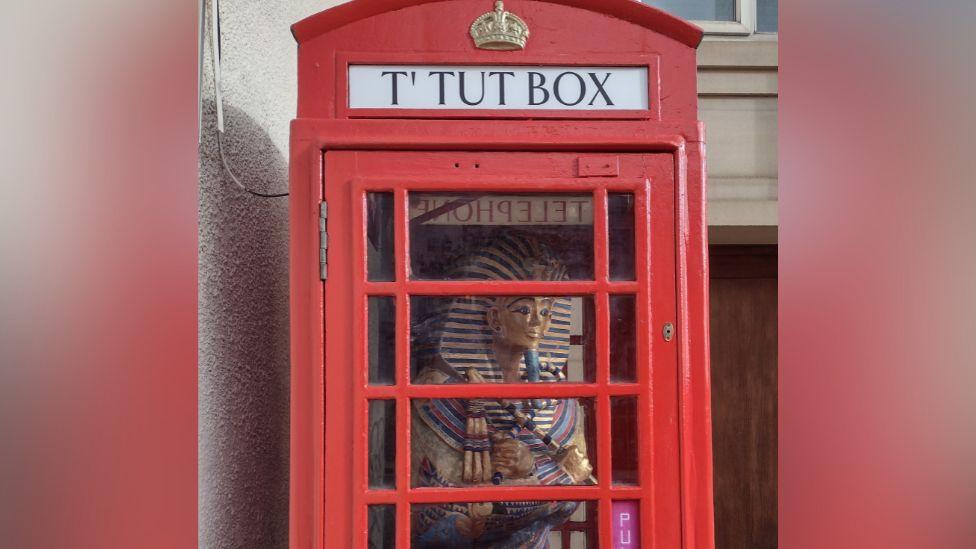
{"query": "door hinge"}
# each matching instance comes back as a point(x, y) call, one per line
point(323, 241)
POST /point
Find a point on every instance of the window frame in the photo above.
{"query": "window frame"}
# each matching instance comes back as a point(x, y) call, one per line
point(745, 22)
point(600, 391)
point(743, 25)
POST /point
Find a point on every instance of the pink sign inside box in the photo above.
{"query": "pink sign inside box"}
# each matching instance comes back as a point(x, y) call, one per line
point(626, 524)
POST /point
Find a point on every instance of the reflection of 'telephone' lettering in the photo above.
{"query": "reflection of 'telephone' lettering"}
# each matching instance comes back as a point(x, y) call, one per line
point(506, 211)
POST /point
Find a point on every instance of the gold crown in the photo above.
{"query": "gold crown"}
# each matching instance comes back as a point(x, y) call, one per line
point(499, 30)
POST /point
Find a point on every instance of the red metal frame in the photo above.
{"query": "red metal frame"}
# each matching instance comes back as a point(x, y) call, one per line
point(344, 14)
point(328, 405)
point(687, 383)
point(588, 526)
point(632, 34)
point(349, 181)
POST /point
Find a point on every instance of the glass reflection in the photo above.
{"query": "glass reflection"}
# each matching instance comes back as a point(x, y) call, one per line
point(553, 524)
point(382, 444)
point(624, 439)
point(381, 325)
point(446, 228)
point(382, 526)
point(620, 227)
point(379, 237)
point(459, 331)
point(623, 339)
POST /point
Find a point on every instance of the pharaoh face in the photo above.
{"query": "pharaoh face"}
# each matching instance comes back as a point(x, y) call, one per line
point(521, 321)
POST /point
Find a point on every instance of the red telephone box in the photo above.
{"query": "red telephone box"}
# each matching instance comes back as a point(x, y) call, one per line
point(498, 278)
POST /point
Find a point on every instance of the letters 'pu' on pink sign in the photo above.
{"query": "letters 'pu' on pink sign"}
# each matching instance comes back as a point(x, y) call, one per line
point(626, 525)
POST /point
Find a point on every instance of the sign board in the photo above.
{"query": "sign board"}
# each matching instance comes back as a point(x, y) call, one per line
point(626, 525)
point(498, 87)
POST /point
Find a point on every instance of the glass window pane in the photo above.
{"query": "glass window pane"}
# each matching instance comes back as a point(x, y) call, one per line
point(504, 524)
point(379, 237)
point(382, 526)
point(484, 236)
point(581, 539)
point(698, 10)
point(382, 444)
point(623, 421)
point(495, 339)
point(620, 209)
point(382, 340)
point(457, 443)
point(767, 17)
point(623, 344)
point(581, 528)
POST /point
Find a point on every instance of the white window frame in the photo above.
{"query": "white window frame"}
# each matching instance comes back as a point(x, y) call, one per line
point(744, 24)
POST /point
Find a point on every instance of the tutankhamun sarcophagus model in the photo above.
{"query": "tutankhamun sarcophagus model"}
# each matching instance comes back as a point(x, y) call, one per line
point(457, 442)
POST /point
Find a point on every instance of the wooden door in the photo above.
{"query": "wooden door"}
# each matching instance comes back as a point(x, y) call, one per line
point(744, 392)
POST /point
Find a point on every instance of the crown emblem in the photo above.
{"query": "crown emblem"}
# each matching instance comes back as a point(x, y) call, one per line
point(499, 30)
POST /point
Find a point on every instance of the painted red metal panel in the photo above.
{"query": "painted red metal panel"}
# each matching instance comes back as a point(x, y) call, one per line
point(599, 166)
point(351, 174)
point(340, 436)
point(515, 151)
point(654, 20)
point(695, 393)
point(670, 479)
point(594, 31)
point(307, 412)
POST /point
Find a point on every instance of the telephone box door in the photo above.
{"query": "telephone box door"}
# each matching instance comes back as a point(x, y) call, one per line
point(499, 362)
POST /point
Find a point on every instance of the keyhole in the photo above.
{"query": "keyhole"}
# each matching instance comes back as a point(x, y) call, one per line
point(668, 331)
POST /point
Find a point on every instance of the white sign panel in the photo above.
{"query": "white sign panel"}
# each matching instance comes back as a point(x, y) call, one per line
point(498, 87)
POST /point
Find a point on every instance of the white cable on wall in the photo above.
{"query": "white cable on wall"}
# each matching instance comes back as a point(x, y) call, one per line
point(219, 99)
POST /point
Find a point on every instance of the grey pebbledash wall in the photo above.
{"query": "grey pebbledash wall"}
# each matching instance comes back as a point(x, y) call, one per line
point(243, 293)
